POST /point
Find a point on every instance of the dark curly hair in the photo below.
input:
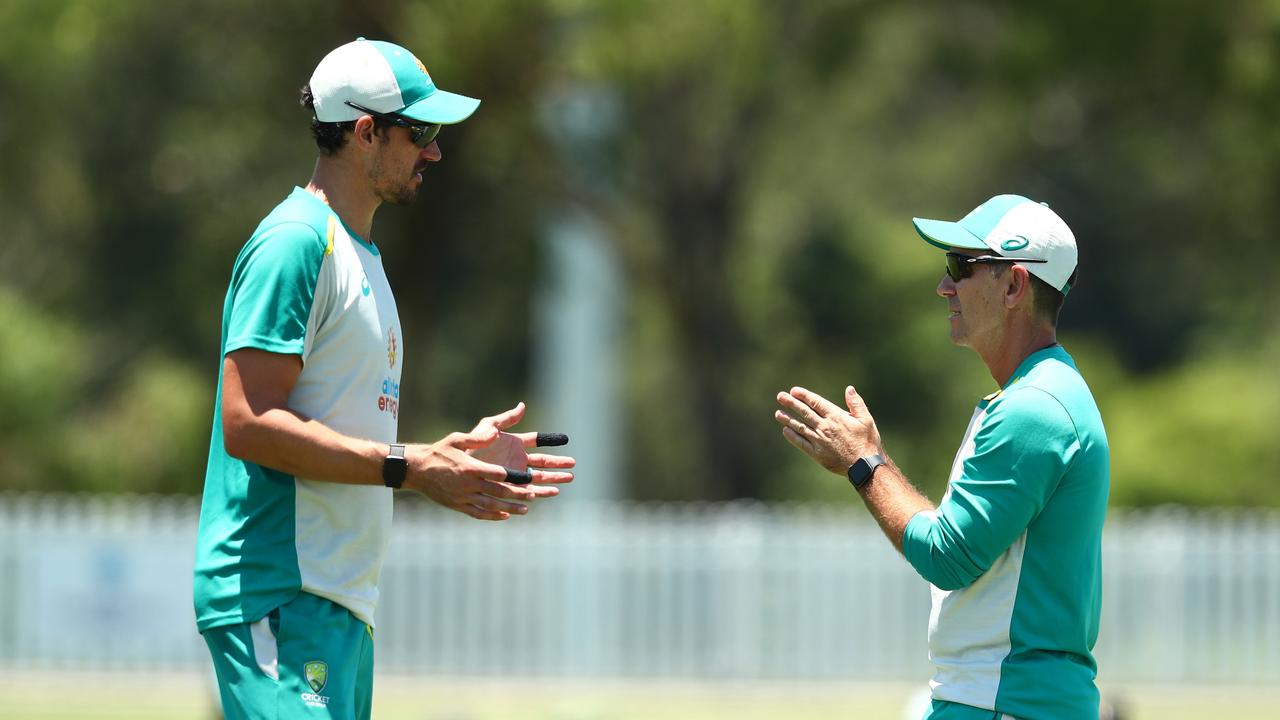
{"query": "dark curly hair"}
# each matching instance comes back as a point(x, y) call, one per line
point(332, 136)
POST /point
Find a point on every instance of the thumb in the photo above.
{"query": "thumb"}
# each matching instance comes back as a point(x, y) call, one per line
point(857, 407)
point(504, 420)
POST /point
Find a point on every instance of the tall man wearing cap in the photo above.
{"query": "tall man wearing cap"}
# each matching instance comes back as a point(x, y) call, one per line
point(1014, 550)
point(296, 515)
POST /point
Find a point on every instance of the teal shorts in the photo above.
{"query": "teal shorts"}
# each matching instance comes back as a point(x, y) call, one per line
point(943, 710)
point(309, 658)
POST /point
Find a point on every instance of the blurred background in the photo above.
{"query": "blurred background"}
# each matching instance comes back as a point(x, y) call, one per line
point(662, 214)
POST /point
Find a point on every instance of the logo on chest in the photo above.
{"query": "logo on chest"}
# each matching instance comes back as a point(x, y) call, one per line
point(389, 399)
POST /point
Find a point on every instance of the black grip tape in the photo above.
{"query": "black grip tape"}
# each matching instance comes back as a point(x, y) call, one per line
point(552, 439)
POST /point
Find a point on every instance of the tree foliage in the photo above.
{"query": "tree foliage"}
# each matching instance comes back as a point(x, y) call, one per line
point(755, 165)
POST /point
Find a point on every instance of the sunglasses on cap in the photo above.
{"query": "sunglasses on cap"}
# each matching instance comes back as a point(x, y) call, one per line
point(420, 133)
point(960, 266)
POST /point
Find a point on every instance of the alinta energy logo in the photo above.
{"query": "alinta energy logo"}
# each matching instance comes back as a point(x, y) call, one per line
point(316, 673)
point(389, 399)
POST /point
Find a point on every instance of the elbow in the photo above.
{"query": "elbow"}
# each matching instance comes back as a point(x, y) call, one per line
point(941, 571)
point(237, 431)
point(950, 582)
point(946, 574)
point(938, 555)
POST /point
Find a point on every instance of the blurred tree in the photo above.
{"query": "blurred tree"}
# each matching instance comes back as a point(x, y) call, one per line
point(765, 160)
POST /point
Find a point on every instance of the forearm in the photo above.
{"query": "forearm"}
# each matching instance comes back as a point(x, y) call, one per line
point(286, 441)
point(893, 501)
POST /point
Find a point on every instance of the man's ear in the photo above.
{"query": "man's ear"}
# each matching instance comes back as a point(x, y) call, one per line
point(1018, 287)
point(363, 134)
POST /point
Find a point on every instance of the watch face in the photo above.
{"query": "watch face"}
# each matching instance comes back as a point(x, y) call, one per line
point(394, 469)
point(861, 471)
point(858, 473)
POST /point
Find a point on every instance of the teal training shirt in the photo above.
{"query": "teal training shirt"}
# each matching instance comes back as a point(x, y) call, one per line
point(303, 285)
point(1014, 550)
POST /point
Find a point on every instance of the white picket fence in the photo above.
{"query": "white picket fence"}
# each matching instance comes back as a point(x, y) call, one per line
point(693, 591)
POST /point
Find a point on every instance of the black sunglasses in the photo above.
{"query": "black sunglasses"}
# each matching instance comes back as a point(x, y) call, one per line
point(421, 134)
point(960, 266)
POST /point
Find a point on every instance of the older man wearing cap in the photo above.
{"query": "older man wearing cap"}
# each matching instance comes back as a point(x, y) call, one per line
point(296, 514)
point(1014, 549)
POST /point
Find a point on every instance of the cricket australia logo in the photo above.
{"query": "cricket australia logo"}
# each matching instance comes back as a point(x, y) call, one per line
point(391, 347)
point(316, 673)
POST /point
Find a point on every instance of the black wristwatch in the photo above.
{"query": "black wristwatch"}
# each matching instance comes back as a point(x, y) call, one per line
point(861, 471)
point(394, 467)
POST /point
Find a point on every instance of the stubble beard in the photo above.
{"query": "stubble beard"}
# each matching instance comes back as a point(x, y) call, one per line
point(389, 190)
point(399, 195)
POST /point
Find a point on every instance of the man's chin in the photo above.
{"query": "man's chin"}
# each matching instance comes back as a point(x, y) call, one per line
point(405, 196)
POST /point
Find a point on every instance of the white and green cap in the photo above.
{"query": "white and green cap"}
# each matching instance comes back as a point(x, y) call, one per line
point(385, 78)
point(1011, 226)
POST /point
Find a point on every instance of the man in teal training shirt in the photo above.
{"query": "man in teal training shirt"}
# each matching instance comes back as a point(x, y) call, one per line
point(304, 454)
point(1014, 550)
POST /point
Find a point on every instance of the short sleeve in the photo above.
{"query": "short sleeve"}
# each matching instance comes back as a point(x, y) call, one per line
point(1021, 452)
point(273, 288)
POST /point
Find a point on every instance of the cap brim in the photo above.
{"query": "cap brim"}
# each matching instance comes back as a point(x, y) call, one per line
point(947, 235)
point(442, 107)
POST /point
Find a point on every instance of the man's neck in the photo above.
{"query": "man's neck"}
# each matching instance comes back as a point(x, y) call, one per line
point(337, 185)
point(1019, 343)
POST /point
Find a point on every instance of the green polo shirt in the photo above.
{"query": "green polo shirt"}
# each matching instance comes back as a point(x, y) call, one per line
point(1014, 550)
point(303, 285)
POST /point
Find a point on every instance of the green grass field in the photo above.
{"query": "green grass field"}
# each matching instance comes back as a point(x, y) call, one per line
point(81, 696)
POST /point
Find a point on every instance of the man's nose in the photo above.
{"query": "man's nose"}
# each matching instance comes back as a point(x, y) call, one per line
point(946, 286)
point(431, 153)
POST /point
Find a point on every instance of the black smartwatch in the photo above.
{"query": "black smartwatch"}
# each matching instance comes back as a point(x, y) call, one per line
point(861, 471)
point(394, 467)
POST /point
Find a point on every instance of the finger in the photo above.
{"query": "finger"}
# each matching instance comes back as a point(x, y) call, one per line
point(820, 405)
point(484, 502)
point(519, 477)
point(551, 439)
point(527, 439)
point(542, 439)
point(554, 462)
point(522, 493)
point(795, 439)
point(487, 473)
point(793, 425)
point(480, 513)
point(503, 490)
point(799, 409)
point(542, 477)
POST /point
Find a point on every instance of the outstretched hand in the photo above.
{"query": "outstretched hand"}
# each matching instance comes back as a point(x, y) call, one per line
point(510, 450)
point(833, 437)
point(480, 472)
